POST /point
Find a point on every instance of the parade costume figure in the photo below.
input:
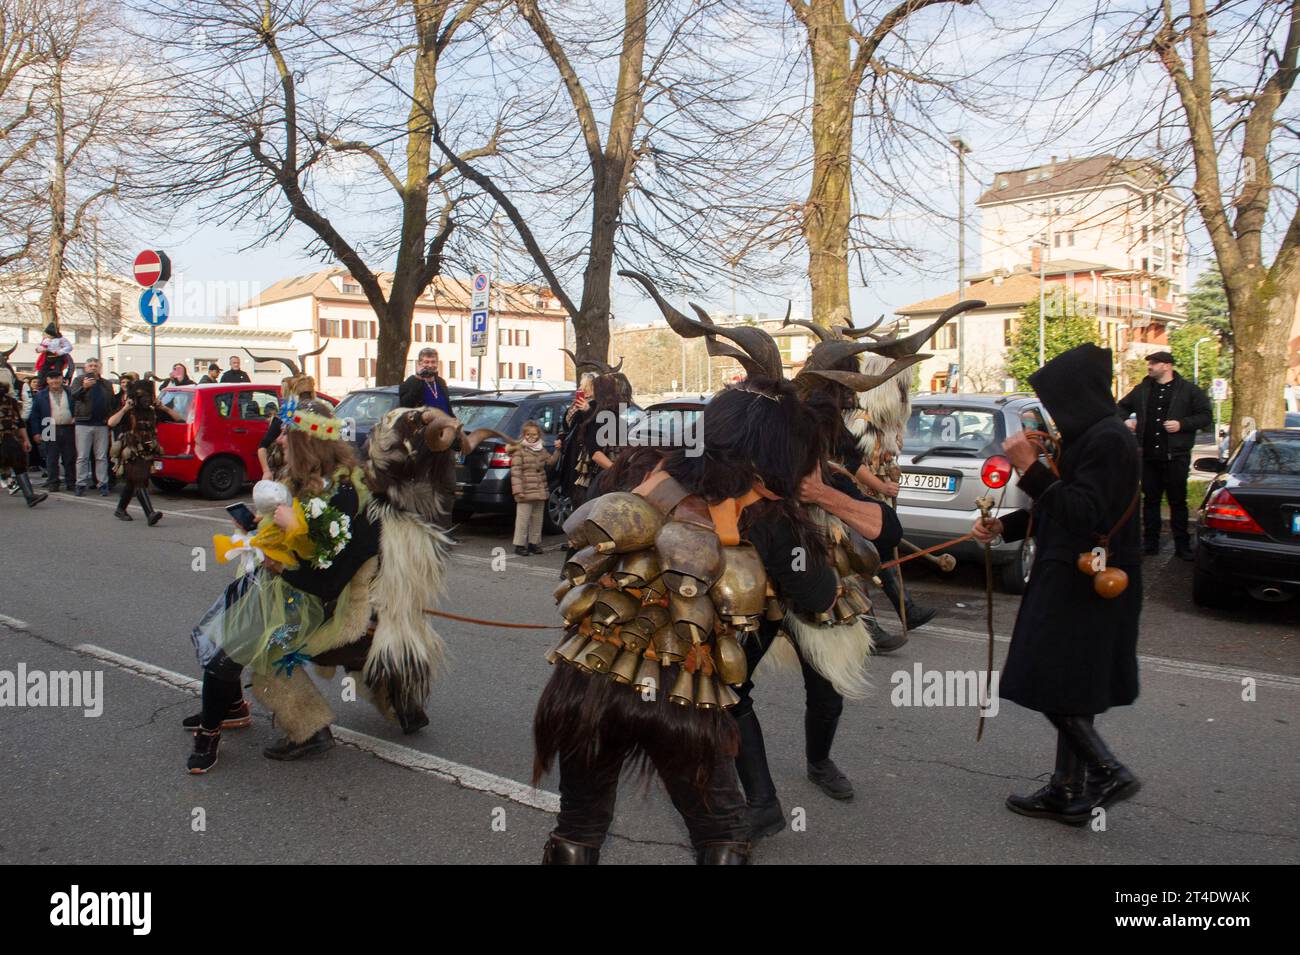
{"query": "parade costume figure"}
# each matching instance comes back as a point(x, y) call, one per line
point(15, 446)
point(276, 617)
point(1073, 652)
point(137, 447)
point(660, 590)
point(7, 374)
point(587, 434)
point(54, 353)
point(297, 386)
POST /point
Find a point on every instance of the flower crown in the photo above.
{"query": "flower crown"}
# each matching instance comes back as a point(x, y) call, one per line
point(312, 424)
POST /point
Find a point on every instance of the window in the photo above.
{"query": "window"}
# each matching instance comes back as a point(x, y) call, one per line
point(547, 418)
point(361, 367)
point(359, 329)
point(372, 367)
point(525, 334)
point(437, 329)
point(351, 287)
point(335, 366)
point(374, 329)
point(428, 334)
point(258, 405)
point(225, 403)
point(451, 334)
point(451, 369)
point(415, 333)
point(1007, 332)
point(201, 366)
point(945, 337)
point(1056, 240)
point(1070, 238)
point(1145, 231)
point(501, 369)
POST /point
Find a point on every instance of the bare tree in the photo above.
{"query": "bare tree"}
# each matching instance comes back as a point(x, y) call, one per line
point(300, 111)
point(21, 53)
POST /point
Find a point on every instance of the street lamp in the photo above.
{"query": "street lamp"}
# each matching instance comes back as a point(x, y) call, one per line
point(1196, 359)
point(962, 150)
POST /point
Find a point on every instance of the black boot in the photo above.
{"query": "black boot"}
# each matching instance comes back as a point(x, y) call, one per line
point(882, 641)
point(286, 749)
point(819, 732)
point(1063, 798)
point(911, 616)
point(204, 757)
point(765, 815)
point(32, 497)
point(123, 502)
point(1108, 780)
point(412, 720)
point(563, 852)
point(146, 505)
point(521, 550)
point(1183, 550)
point(723, 853)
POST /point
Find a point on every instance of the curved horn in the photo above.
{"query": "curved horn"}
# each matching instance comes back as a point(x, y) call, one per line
point(865, 331)
point(828, 354)
point(287, 362)
point(439, 435)
point(309, 354)
point(856, 381)
point(678, 322)
point(757, 344)
point(823, 334)
point(469, 442)
point(601, 367)
point(4, 355)
point(150, 376)
point(902, 347)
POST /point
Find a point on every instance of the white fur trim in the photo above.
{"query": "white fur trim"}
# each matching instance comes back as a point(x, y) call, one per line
point(838, 652)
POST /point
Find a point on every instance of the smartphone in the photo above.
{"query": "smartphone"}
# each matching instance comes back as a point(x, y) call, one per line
point(244, 517)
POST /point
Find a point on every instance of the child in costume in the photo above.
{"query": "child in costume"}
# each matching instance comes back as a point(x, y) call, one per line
point(275, 617)
point(54, 353)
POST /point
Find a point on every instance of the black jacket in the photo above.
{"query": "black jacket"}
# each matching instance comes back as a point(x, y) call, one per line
point(1188, 404)
point(410, 394)
point(1072, 651)
point(83, 400)
point(233, 377)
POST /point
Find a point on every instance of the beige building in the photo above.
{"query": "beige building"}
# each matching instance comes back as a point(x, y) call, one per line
point(526, 328)
point(90, 313)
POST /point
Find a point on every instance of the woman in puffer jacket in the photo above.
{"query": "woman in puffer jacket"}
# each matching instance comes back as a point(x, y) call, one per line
point(529, 460)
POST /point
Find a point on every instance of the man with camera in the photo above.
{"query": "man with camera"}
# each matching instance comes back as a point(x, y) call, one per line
point(426, 388)
point(92, 403)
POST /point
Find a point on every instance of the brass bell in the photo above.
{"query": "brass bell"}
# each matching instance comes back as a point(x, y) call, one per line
point(600, 656)
point(577, 602)
point(611, 608)
point(863, 557)
point(635, 636)
point(730, 659)
point(669, 647)
point(691, 557)
point(622, 522)
point(706, 697)
point(693, 617)
point(647, 676)
point(739, 592)
point(587, 565)
point(564, 587)
point(575, 527)
point(625, 667)
point(774, 610)
point(637, 568)
point(651, 617)
point(727, 697)
point(683, 691)
point(569, 647)
point(840, 553)
point(842, 611)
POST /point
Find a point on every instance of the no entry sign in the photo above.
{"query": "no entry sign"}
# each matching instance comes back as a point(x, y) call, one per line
point(152, 267)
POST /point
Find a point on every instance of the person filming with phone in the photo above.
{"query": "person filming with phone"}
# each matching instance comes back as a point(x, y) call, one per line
point(426, 388)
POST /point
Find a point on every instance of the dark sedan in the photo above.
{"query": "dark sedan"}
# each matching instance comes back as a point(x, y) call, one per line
point(1248, 540)
point(368, 405)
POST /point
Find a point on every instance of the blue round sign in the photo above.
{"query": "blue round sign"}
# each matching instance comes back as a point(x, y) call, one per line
point(153, 306)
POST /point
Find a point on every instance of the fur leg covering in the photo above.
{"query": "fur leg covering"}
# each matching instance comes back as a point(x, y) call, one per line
point(407, 651)
point(838, 653)
point(299, 708)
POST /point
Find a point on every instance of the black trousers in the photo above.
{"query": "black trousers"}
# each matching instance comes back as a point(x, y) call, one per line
point(1168, 479)
point(821, 700)
point(588, 794)
point(62, 451)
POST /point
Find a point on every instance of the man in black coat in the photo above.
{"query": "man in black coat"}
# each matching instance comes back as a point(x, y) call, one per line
point(1168, 411)
point(1073, 652)
point(426, 388)
point(236, 375)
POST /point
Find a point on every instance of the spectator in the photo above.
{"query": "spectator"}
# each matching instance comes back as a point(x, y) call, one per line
point(425, 389)
point(52, 424)
point(213, 376)
point(30, 388)
point(528, 463)
point(585, 443)
point(179, 376)
point(92, 403)
point(1168, 410)
point(235, 375)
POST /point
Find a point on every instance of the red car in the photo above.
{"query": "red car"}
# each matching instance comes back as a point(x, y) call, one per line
point(216, 445)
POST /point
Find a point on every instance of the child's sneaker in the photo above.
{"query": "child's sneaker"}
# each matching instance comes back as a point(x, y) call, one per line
point(237, 717)
point(204, 757)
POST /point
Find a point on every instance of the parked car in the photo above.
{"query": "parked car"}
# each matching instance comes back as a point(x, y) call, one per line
point(366, 406)
point(1248, 533)
point(216, 444)
point(483, 476)
point(947, 441)
point(672, 423)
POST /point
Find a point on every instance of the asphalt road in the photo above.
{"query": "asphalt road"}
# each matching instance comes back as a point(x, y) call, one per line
point(79, 590)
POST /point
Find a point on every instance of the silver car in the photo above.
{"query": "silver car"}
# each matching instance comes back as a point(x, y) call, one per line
point(948, 439)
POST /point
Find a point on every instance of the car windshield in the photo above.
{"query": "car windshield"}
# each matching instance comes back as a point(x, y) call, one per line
point(480, 414)
point(1271, 454)
point(366, 407)
point(178, 401)
point(951, 429)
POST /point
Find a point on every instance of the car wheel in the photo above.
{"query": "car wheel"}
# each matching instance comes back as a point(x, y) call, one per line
point(221, 478)
point(558, 509)
point(1207, 591)
point(1015, 573)
point(168, 485)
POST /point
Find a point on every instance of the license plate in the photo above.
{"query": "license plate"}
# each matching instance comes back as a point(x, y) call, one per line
point(157, 465)
point(1295, 523)
point(927, 482)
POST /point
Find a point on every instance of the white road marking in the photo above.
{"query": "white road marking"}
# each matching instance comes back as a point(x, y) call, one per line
point(465, 776)
point(13, 623)
point(167, 512)
point(1203, 671)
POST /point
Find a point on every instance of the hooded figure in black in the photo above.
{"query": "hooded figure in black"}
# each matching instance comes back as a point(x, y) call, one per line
point(1073, 653)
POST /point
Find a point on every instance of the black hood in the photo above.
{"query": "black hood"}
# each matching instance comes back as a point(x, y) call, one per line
point(1075, 387)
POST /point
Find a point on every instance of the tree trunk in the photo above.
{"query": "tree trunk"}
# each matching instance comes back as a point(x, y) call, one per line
point(826, 216)
point(58, 173)
point(591, 325)
point(1262, 316)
